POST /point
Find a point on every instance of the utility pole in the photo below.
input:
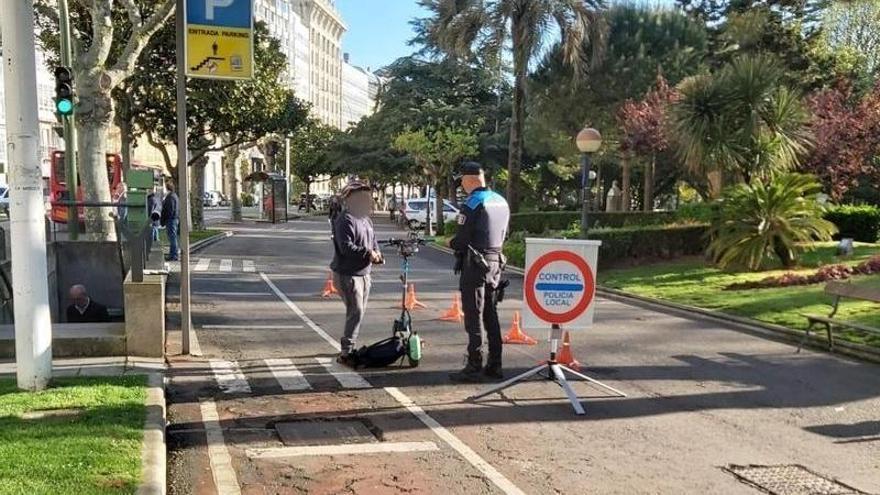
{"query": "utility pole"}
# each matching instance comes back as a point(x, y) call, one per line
point(287, 169)
point(183, 178)
point(69, 128)
point(33, 327)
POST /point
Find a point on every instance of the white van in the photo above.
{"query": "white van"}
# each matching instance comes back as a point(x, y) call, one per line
point(416, 212)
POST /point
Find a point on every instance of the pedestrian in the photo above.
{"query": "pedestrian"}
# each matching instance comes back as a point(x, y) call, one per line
point(478, 244)
point(392, 207)
point(154, 211)
point(171, 220)
point(355, 251)
point(120, 197)
point(83, 309)
point(334, 207)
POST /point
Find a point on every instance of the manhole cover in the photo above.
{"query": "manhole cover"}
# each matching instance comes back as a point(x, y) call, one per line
point(790, 479)
point(301, 433)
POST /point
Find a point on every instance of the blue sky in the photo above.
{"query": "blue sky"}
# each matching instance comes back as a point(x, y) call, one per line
point(377, 30)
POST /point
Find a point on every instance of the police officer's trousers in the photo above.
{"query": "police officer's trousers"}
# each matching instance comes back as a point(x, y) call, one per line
point(479, 304)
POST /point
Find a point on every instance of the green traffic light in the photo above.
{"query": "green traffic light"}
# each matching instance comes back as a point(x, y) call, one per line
point(64, 107)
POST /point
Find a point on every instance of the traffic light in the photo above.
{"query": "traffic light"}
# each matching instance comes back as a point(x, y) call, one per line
point(63, 90)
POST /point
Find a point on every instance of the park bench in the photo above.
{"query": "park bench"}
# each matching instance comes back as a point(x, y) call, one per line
point(842, 290)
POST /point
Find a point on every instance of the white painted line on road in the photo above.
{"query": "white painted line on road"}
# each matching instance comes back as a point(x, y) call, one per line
point(293, 307)
point(221, 462)
point(230, 294)
point(194, 348)
point(226, 265)
point(346, 378)
point(287, 375)
point(343, 449)
point(203, 265)
point(245, 327)
point(229, 377)
point(504, 484)
point(248, 266)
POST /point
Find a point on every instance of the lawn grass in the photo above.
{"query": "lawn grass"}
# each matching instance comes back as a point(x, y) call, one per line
point(194, 236)
point(695, 283)
point(96, 451)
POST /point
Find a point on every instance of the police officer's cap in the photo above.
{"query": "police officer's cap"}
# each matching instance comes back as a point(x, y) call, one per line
point(471, 168)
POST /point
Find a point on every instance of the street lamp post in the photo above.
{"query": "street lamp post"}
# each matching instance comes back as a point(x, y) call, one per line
point(588, 141)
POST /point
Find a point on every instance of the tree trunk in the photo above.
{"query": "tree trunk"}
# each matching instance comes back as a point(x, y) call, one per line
point(308, 195)
point(514, 157)
point(716, 183)
point(197, 188)
point(93, 178)
point(626, 183)
point(648, 200)
point(438, 208)
point(230, 162)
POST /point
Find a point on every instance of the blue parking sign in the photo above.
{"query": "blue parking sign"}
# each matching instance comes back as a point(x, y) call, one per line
point(227, 13)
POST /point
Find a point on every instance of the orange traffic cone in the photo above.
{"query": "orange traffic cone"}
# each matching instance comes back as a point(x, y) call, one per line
point(329, 288)
point(516, 335)
point(411, 301)
point(565, 357)
point(454, 314)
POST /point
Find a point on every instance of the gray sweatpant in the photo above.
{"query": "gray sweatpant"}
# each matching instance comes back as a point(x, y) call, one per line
point(355, 292)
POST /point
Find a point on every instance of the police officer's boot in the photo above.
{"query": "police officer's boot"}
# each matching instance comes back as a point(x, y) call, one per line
point(471, 373)
point(492, 371)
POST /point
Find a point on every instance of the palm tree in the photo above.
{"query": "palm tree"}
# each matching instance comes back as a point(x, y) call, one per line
point(776, 216)
point(465, 27)
point(742, 120)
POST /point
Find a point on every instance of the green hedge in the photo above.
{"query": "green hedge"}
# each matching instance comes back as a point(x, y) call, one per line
point(543, 221)
point(861, 223)
point(625, 245)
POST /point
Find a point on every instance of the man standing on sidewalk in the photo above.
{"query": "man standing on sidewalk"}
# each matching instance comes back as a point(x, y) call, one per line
point(171, 220)
point(355, 251)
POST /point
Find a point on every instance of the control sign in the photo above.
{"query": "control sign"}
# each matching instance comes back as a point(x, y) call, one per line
point(560, 283)
point(220, 39)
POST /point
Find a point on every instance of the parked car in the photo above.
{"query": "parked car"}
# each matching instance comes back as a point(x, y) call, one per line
point(212, 198)
point(4, 200)
point(416, 212)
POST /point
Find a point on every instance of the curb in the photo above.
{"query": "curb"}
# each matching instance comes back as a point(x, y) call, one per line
point(153, 455)
point(770, 331)
point(202, 244)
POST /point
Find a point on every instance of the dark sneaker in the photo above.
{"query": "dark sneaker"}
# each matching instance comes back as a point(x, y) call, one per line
point(346, 360)
point(493, 372)
point(467, 375)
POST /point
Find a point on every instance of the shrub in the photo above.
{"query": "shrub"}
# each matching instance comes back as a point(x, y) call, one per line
point(861, 223)
point(544, 221)
point(697, 212)
point(773, 217)
point(824, 274)
point(248, 199)
point(450, 229)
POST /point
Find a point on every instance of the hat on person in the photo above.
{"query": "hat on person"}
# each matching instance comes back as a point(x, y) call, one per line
point(353, 186)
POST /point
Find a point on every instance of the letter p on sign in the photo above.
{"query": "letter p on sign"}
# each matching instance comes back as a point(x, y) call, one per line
point(210, 4)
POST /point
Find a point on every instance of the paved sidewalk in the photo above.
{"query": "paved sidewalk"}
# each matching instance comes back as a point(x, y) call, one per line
point(100, 366)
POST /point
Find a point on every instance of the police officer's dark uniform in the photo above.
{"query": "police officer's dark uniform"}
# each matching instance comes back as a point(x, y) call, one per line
point(478, 244)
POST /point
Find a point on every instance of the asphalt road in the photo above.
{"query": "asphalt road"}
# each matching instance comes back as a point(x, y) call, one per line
point(702, 399)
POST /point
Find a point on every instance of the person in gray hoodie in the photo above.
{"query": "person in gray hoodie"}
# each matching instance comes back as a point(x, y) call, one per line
point(355, 251)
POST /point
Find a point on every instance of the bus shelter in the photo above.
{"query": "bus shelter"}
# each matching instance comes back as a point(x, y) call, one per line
point(272, 190)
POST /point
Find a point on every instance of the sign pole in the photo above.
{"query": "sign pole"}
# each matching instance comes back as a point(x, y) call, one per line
point(183, 179)
point(68, 122)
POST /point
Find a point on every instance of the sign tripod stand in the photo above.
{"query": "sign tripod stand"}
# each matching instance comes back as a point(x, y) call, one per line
point(555, 372)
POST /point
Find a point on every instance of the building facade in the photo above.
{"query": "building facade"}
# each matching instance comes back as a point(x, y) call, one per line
point(325, 27)
point(356, 101)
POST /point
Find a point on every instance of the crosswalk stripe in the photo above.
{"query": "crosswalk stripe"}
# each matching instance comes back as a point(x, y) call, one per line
point(226, 265)
point(229, 377)
point(287, 375)
point(203, 265)
point(348, 379)
point(248, 266)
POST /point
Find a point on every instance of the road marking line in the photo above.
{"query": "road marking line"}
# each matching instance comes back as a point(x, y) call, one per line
point(287, 375)
point(221, 462)
point(203, 265)
point(226, 265)
point(472, 457)
point(346, 378)
point(229, 377)
point(343, 449)
point(194, 348)
point(248, 266)
point(484, 467)
point(267, 327)
point(231, 294)
point(293, 307)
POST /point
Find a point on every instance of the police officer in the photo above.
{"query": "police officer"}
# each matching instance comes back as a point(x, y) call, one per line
point(477, 245)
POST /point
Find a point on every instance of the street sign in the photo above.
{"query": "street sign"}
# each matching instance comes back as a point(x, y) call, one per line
point(220, 39)
point(559, 283)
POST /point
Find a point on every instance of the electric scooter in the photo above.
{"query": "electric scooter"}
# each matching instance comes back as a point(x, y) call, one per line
point(403, 325)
